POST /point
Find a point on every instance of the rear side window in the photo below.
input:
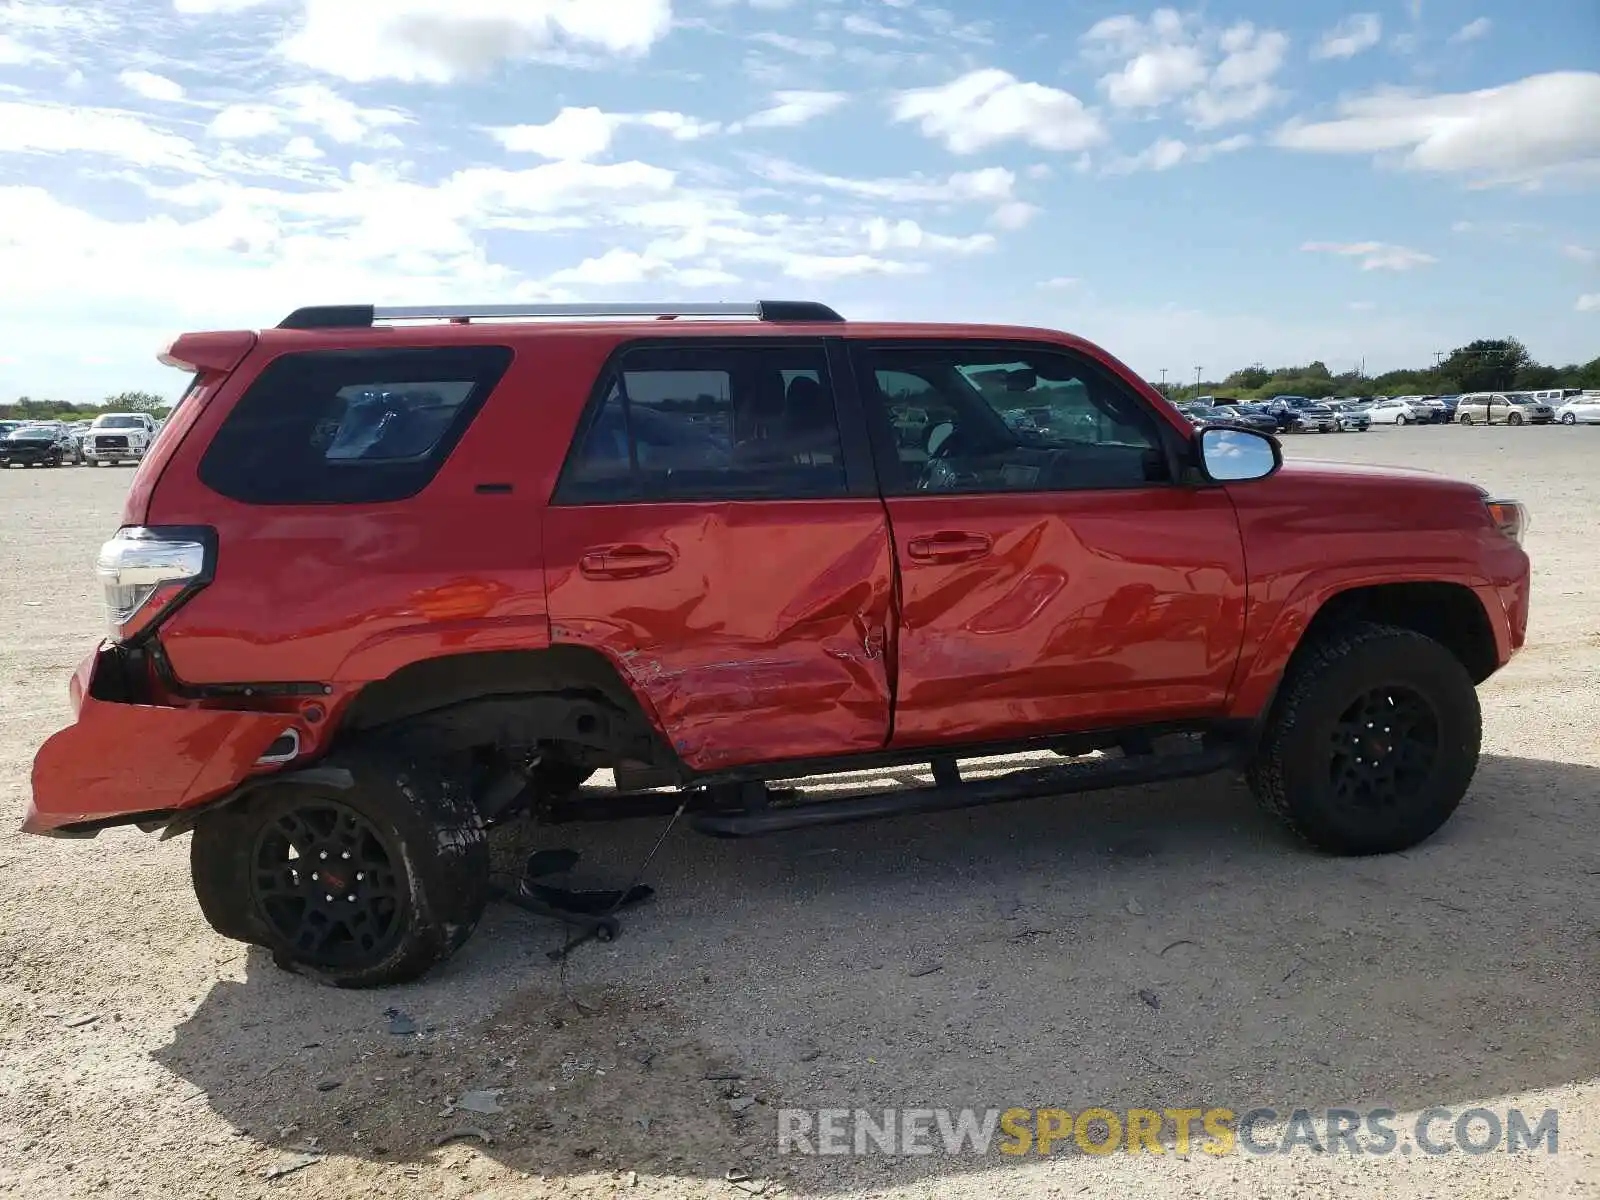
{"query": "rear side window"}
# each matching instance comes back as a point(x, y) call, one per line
point(699, 422)
point(350, 426)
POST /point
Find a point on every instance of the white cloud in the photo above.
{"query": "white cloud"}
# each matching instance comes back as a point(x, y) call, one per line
point(618, 267)
point(867, 27)
point(1059, 283)
point(243, 122)
point(820, 268)
point(1014, 214)
point(792, 108)
point(1155, 77)
point(111, 133)
point(1472, 30)
point(989, 184)
point(14, 53)
point(906, 234)
point(438, 41)
point(1375, 256)
point(1160, 155)
point(1582, 254)
point(581, 134)
point(1588, 302)
point(313, 106)
point(1358, 32)
point(216, 6)
point(1518, 133)
point(151, 86)
point(1221, 75)
point(987, 107)
point(805, 47)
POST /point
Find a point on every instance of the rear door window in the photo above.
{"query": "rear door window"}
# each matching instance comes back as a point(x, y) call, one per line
point(350, 426)
point(700, 422)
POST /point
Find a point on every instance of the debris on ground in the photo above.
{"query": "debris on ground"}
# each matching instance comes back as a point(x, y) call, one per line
point(1149, 997)
point(1134, 907)
point(400, 1024)
point(926, 968)
point(485, 1102)
point(464, 1131)
point(289, 1166)
point(740, 1103)
point(80, 1022)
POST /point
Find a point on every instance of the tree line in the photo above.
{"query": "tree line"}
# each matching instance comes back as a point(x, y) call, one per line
point(25, 408)
point(1488, 365)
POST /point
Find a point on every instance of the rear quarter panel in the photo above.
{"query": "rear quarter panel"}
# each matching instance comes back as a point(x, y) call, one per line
point(350, 593)
point(1313, 531)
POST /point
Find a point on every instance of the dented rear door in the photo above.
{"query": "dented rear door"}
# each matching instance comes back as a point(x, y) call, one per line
point(719, 538)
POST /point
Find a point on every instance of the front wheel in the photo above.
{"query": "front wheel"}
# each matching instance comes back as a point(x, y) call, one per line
point(1514, 419)
point(1401, 419)
point(1372, 742)
point(1569, 419)
point(356, 887)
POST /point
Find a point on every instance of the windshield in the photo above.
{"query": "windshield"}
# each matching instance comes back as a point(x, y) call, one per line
point(33, 431)
point(118, 423)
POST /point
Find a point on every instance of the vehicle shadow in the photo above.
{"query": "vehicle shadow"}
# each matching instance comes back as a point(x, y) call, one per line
point(1158, 946)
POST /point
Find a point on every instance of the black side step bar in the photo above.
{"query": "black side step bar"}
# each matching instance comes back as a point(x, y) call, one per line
point(1026, 784)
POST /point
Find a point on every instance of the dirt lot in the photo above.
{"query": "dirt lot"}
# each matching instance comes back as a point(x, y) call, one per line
point(992, 958)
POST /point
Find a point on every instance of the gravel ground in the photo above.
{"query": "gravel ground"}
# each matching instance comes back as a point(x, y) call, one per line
point(1161, 946)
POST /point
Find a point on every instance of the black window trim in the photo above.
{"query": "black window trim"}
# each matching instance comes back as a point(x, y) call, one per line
point(484, 386)
point(861, 480)
point(1179, 451)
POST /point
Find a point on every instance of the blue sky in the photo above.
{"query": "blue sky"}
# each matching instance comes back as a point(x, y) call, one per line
point(1207, 186)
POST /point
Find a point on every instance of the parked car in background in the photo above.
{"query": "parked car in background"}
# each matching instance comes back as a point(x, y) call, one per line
point(40, 444)
point(1305, 415)
point(1449, 403)
point(1393, 410)
point(1251, 416)
point(1352, 417)
point(118, 438)
point(1582, 409)
point(1503, 408)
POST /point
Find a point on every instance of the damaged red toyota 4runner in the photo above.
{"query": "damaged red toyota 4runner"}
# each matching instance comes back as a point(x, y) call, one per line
point(391, 577)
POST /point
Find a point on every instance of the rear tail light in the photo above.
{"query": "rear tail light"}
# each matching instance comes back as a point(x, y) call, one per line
point(1510, 517)
point(147, 572)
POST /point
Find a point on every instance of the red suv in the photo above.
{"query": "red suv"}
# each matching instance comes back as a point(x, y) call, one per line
point(389, 577)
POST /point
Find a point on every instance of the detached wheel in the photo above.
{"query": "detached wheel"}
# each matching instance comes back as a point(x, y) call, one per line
point(357, 887)
point(1372, 743)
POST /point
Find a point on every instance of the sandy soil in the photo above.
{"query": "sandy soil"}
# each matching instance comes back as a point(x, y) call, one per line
point(991, 958)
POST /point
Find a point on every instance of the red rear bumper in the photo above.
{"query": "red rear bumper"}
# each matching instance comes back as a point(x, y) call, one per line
point(118, 763)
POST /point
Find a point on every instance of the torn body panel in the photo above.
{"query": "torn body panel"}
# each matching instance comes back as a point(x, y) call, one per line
point(120, 760)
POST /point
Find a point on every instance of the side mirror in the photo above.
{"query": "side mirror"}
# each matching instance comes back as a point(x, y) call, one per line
point(1238, 455)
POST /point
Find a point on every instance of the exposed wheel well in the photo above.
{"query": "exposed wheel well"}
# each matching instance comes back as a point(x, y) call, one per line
point(1446, 612)
point(563, 694)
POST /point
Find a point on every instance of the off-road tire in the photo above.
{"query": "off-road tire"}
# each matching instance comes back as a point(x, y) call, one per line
point(432, 838)
point(1292, 771)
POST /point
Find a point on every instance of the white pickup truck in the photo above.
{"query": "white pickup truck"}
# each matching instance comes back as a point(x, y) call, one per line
point(118, 438)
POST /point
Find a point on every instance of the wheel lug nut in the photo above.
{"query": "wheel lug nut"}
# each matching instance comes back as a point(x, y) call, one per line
point(313, 877)
point(329, 899)
point(346, 854)
point(351, 897)
point(360, 875)
point(324, 855)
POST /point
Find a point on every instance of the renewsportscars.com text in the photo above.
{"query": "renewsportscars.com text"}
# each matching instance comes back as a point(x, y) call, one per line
point(1214, 1131)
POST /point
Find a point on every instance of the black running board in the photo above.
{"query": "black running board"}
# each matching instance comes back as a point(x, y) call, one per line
point(1026, 784)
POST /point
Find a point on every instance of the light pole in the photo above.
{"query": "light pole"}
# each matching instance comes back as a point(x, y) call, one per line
point(1197, 371)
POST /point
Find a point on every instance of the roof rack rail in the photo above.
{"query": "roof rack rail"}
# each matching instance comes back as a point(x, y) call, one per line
point(356, 316)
